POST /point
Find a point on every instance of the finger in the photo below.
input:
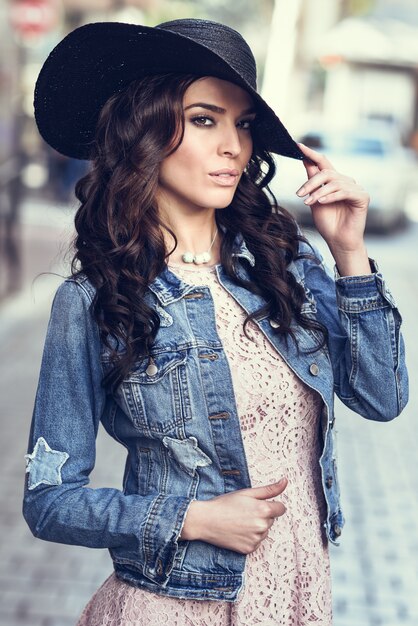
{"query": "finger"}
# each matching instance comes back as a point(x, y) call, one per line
point(267, 491)
point(342, 194)
point(277, 509)
point(321, 178)
point(318, 158)
point(311, 168)
point(322, 192)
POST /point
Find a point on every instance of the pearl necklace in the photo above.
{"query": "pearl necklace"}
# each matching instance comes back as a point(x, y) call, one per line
point(204, 257)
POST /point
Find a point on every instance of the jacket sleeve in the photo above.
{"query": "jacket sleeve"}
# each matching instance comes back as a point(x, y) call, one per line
point(365, 343)
point(58, 505)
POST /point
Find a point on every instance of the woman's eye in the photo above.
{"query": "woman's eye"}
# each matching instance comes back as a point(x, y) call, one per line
point(204, 120)
point(201, 120)
point(246, 124)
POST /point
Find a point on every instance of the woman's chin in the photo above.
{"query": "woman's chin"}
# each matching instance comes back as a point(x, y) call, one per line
point(224, 198)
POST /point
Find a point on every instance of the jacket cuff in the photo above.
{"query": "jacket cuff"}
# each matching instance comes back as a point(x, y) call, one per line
point(363, 293)
point(373, 266)
point(163, 526)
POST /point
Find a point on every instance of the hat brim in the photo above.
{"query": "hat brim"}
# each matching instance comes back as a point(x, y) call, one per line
point(97, 60)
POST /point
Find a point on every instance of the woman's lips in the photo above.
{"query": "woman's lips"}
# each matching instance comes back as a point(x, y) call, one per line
point(225, 180)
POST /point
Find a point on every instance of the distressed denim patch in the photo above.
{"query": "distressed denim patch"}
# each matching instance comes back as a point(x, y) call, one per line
point(44, 465)
point(165, 318)
point(187, 453)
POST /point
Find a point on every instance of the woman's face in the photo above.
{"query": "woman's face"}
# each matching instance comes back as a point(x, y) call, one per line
point(217, 136)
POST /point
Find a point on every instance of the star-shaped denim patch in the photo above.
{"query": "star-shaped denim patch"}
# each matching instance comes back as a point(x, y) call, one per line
point(44, 465)
point(187, 453)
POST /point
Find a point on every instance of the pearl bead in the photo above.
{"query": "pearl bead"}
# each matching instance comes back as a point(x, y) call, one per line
point(206, 256)
point(199, 258)
point(188, 257)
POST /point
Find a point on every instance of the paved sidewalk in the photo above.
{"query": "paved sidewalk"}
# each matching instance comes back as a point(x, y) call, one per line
point(375, 571)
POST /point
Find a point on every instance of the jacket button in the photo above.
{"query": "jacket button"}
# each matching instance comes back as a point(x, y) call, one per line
point(328, 482)
point(274, 323)
point(152, 369)
point(337, 530)
point(314, 369)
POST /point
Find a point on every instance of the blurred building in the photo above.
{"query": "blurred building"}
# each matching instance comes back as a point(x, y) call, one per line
point(324, 62)
point(372, 72)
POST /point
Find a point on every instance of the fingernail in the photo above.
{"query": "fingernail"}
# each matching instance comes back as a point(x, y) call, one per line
point(308, 200)
point(301, 191)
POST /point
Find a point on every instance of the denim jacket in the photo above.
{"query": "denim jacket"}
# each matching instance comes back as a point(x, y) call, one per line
point(177, 418)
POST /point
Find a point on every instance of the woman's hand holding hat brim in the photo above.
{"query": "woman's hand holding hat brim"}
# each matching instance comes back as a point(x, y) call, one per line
point(339, 210)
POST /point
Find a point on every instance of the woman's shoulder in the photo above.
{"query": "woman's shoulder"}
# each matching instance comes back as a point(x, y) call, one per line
point(75, 288)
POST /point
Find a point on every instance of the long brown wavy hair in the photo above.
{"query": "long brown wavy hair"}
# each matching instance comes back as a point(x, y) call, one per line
point(120, 246)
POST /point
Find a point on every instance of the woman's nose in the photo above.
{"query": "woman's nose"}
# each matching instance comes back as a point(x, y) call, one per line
point(230, 142)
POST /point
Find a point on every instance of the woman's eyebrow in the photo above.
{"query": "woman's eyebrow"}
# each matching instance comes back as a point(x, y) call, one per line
point(216, 109)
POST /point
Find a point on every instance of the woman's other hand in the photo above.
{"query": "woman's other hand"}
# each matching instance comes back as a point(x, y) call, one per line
point(239, 520)
point(339, 209)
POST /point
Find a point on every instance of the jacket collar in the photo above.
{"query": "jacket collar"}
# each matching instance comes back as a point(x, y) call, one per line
point(241, 250)
point(168, 287)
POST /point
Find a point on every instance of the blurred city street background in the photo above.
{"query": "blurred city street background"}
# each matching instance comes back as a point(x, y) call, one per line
point(343, 76)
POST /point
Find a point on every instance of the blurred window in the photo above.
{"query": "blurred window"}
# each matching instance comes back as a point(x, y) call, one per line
point(345, 143)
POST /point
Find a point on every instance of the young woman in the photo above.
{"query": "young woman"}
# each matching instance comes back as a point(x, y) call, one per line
point(204, 332)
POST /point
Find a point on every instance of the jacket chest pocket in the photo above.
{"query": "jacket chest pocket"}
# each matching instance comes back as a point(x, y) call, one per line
point(155, 394)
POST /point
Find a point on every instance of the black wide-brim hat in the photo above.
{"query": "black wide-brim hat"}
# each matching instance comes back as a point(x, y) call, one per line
point(97, 60)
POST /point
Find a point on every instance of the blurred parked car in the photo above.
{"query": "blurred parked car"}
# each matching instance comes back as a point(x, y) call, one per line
point(372, 154)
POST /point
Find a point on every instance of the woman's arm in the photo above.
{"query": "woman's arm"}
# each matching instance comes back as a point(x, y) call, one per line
point(365, 343)
point(58, 505)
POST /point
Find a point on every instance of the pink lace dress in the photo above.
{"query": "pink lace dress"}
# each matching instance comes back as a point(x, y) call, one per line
point(287, 578)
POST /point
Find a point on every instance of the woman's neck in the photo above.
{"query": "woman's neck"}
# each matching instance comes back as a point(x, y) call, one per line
point(177, 256)
point(195, 243)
